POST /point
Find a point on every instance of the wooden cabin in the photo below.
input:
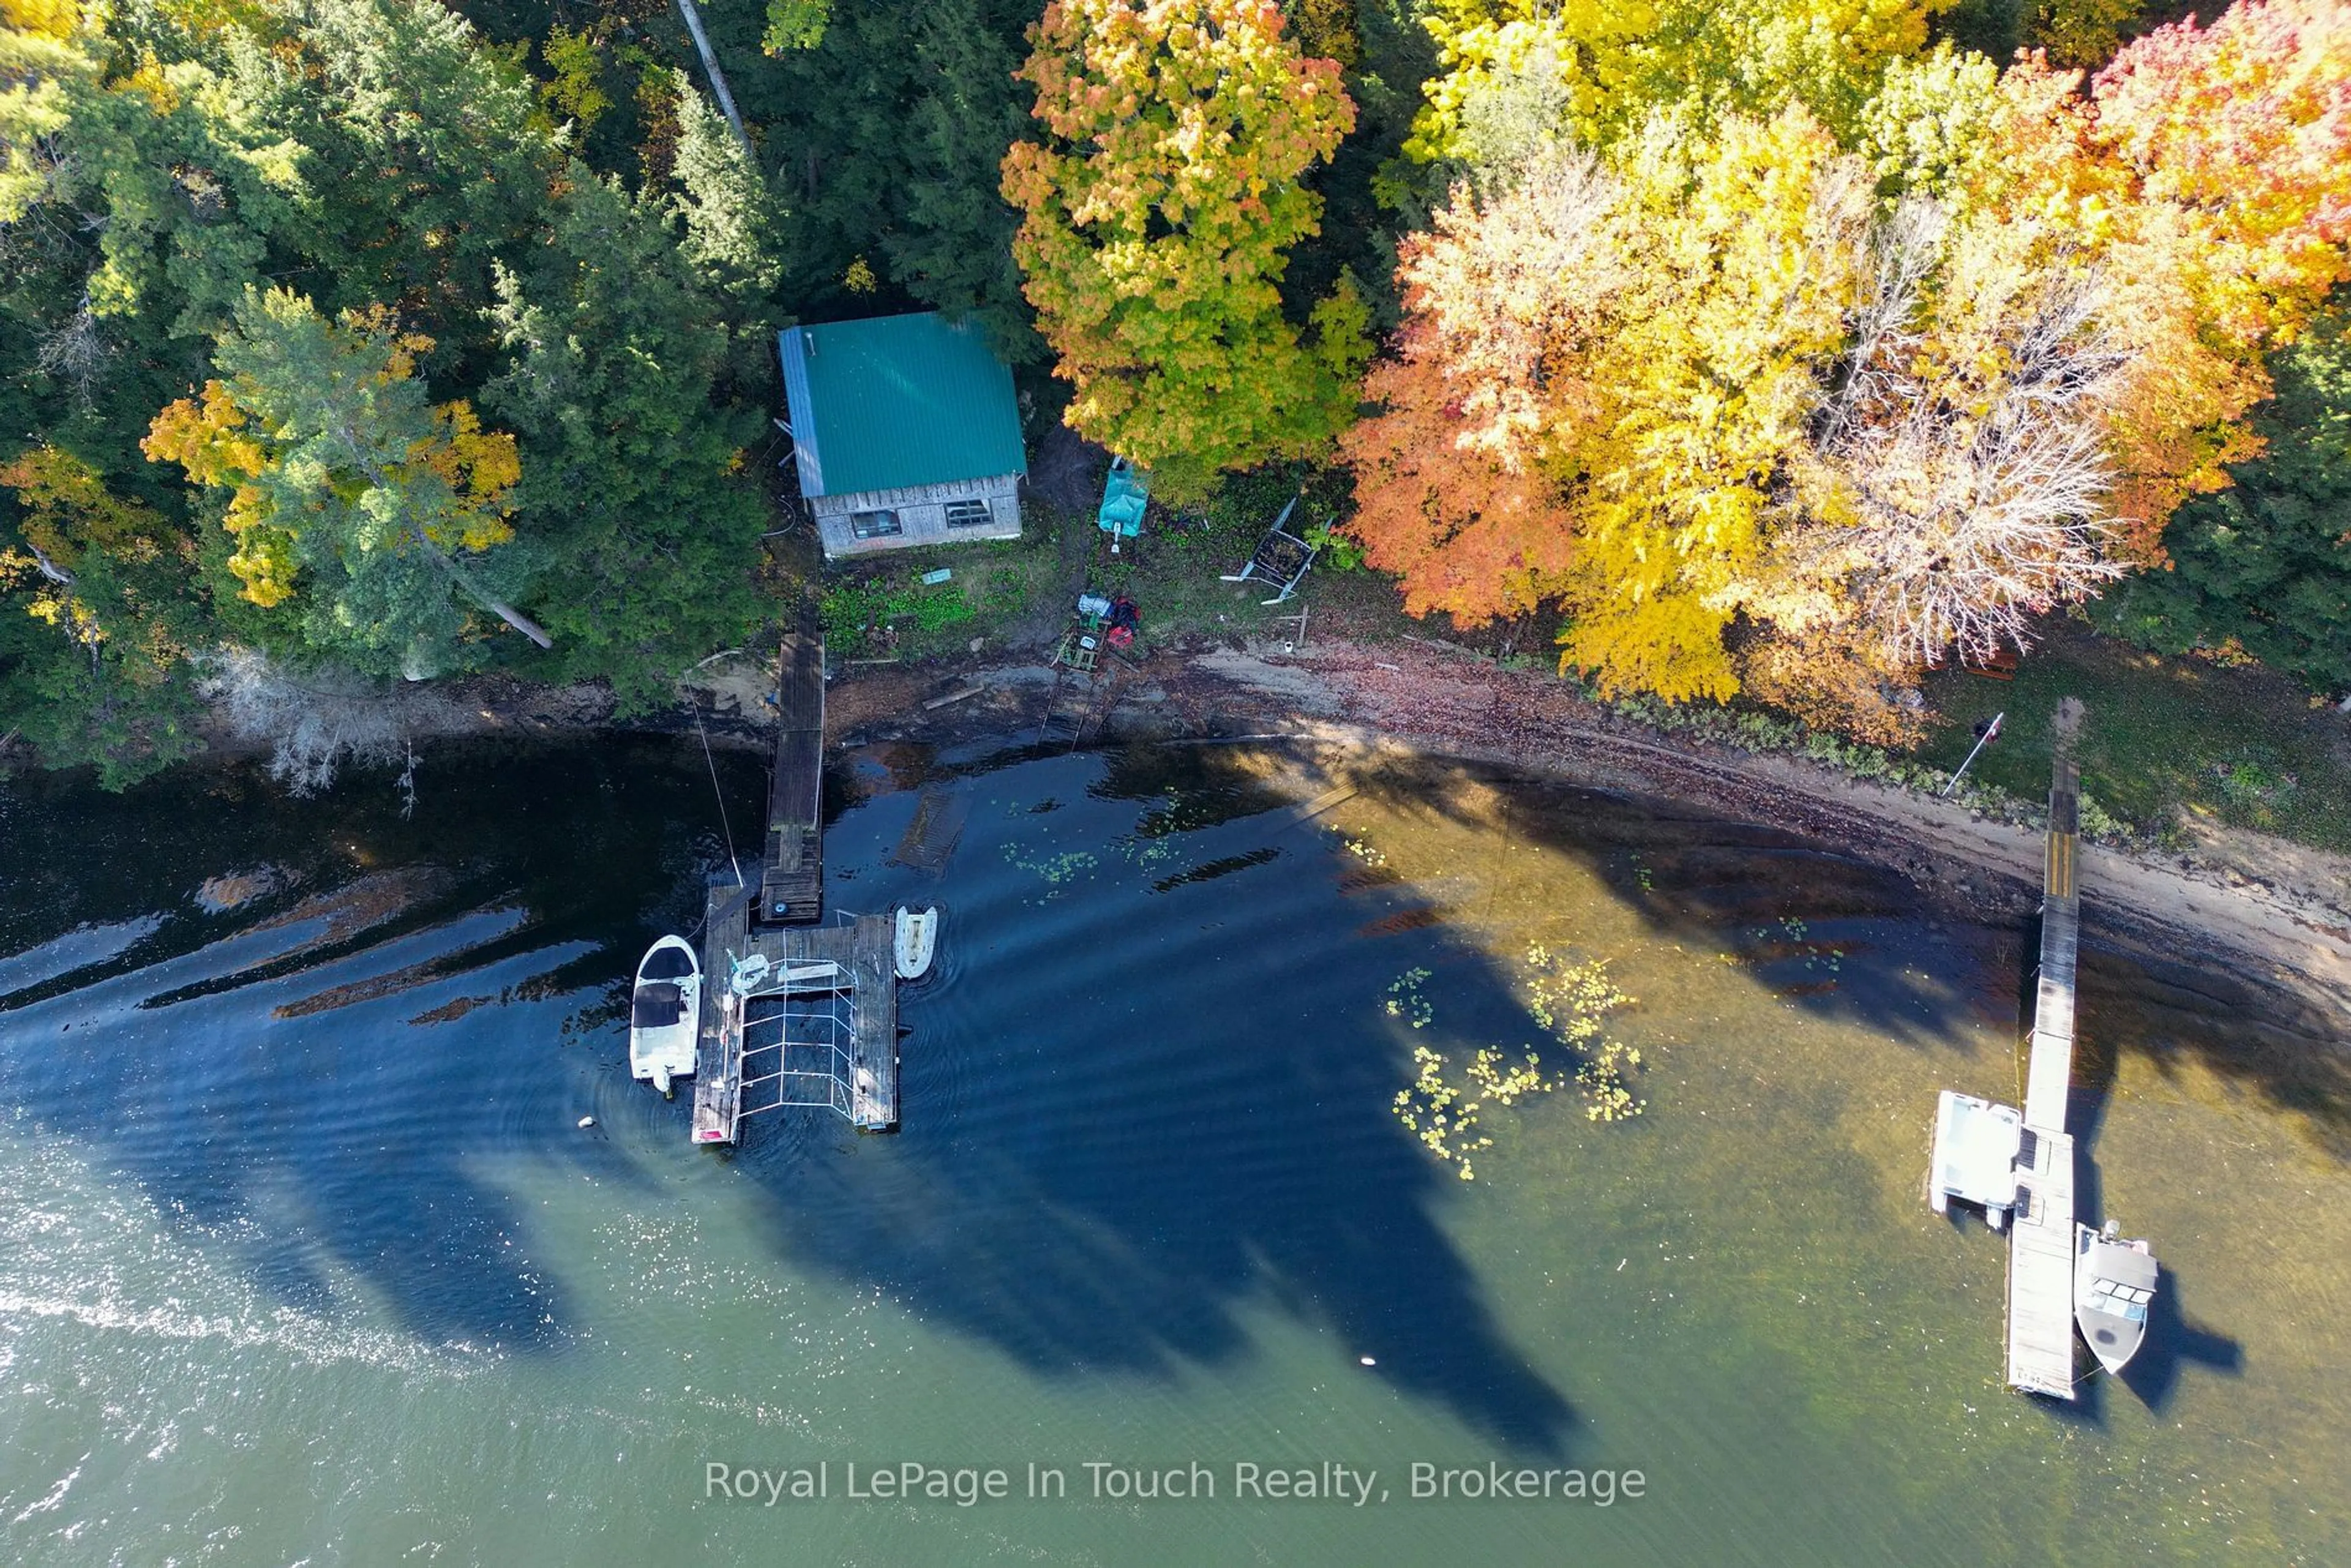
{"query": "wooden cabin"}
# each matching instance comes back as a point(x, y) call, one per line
point(905, 431)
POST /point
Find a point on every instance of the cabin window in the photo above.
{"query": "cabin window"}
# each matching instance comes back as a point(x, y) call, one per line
point(874, 525)
point(970, 513)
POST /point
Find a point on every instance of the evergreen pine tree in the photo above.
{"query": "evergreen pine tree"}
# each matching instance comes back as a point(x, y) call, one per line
point(640, 528)
point(952, 246)
point(2266, 565)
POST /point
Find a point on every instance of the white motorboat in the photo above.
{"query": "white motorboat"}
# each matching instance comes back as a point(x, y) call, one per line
point(2114, 1285)
point(1976, 1148)
point(666, 1013)
point(918, 935)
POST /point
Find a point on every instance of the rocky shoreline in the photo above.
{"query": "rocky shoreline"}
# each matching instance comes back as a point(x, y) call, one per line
point(2285, 907)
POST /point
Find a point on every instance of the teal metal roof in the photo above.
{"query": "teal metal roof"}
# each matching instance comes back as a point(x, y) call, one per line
point(897, 401)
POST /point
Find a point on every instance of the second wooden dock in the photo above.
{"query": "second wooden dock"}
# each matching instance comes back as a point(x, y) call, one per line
point(2040, 1250)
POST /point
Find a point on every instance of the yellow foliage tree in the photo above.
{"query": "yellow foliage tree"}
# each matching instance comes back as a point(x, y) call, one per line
point(1608, 67)
point(1754, 409)
point(112, 576)
point(1741, 422)
point(41, 52)
point(348, 490)
point(1159, 202)
point(1745, 253)
point(1633, 350)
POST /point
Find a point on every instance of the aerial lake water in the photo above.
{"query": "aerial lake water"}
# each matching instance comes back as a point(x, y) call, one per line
point(305, 1257)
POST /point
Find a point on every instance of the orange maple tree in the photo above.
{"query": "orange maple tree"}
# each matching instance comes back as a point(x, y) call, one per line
point(2207, 174)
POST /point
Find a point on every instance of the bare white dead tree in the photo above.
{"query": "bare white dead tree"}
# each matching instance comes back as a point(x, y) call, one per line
point(1510, 282)
point(692, 14)
point(1900, 256)
point(74, 353)
point(1976, 478)
point(1966, 531)
point(314, 724)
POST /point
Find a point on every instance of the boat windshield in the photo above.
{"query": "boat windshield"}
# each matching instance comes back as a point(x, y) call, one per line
point(658, 1006)
point(666, 963)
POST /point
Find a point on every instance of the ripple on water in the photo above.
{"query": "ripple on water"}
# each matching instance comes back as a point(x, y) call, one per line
point(77, 1248)
point(81, 949)
point(332, 1215)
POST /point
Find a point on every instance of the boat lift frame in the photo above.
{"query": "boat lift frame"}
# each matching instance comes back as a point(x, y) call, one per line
point(815, 1025)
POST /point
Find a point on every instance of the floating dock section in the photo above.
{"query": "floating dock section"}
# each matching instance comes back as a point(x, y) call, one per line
point(794, 1013)
point(818, 1028)
point(2041, 1246)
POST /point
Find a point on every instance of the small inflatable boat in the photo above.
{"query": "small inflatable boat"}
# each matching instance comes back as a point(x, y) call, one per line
point(918, 934)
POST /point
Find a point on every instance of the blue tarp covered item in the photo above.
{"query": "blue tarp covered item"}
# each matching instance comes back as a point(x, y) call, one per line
point(1125, 493)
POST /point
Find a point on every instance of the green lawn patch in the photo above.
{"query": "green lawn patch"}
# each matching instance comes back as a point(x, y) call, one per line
point(1021, 593)
point(2166, 738)
point(878, 607)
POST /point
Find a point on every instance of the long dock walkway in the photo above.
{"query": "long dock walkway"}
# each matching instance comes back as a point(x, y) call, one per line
point(791, 875)
point(2040, 1252)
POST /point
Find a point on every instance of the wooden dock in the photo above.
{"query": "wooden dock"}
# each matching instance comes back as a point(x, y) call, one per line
point(2041, 1268)
point(2041, 1250)
point(719, 1071)
point(791, 875)
point(2051, 1074)
point(821, 1030)
point(815, 1020)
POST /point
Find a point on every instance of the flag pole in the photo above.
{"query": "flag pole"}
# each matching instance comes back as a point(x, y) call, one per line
point(1981, 741)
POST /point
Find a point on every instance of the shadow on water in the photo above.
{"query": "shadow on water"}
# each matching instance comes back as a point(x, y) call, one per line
point(325, 1015)
point(1776, 897)
point(2279, 1043)
point(1151, 1098)
point(1808, 923)
point(1125, 1147)
point(2249, 1032)
point(2175, 1342)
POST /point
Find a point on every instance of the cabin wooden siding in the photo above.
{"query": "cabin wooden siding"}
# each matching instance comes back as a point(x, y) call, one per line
point(921, 512)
